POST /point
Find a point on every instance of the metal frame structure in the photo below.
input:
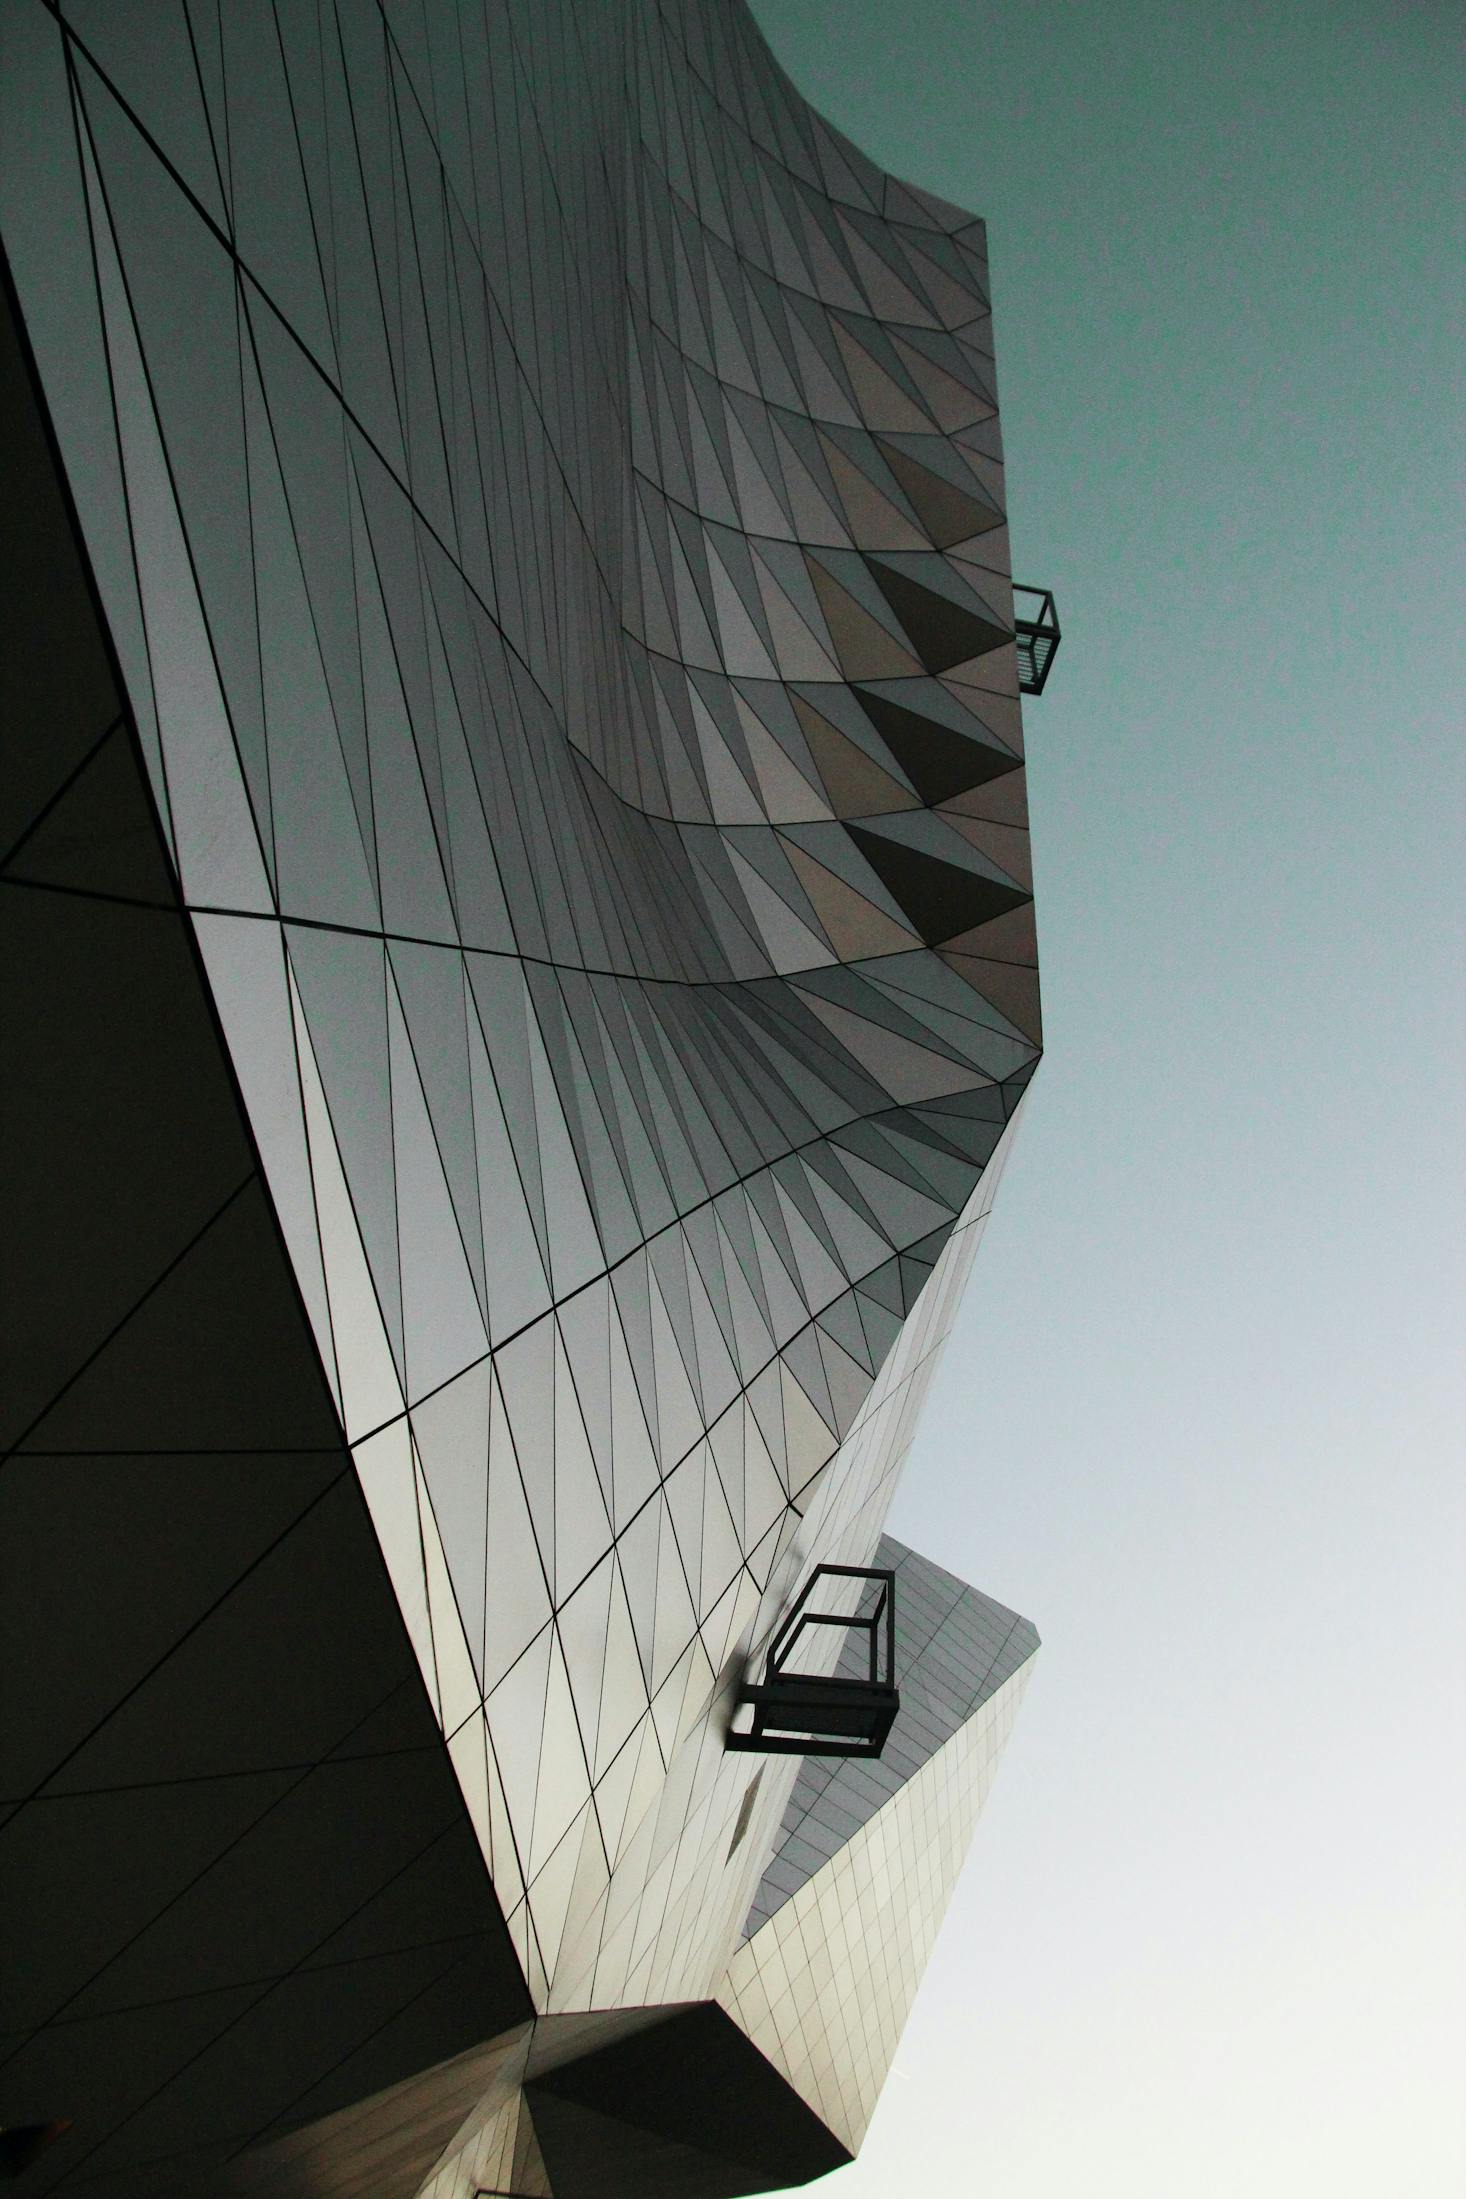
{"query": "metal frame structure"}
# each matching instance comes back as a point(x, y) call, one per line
point(1038, 638)
point(814, 1714)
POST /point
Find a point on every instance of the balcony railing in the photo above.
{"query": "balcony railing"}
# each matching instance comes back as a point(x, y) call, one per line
point(1036, 626)
point(810, 1714)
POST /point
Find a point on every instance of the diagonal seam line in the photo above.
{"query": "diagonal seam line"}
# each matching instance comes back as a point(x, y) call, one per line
point(214, 1778)
point(62, 791)
point(393, 2016)
point(38, 1791)
point(181, 1893)
point(91, 893)
point(258, 2001)
point(177, 2000)
point(135, 1308)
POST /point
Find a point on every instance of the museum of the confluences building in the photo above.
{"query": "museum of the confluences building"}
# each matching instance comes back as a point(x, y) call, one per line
point(520, 979)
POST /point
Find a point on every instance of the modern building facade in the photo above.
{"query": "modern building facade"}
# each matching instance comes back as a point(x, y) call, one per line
point(521, 971)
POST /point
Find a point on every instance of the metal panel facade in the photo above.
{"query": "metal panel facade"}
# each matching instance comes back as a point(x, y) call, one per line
point(543, 491)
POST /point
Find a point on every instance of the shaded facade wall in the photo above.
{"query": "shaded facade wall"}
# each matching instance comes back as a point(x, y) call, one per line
point(239, 1887)
point(545, 492)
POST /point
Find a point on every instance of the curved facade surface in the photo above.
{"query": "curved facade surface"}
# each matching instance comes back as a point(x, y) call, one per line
point(541, 495)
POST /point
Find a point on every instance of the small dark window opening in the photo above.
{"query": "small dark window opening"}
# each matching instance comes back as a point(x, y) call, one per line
point(745, 1811)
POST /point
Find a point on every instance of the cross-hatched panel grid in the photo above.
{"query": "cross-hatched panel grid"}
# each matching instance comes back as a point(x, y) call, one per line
point(546, 490)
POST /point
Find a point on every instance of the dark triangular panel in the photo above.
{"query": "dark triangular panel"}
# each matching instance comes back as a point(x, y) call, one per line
point(949, 514)
point(942, 632)
point(686, 2110)
point(939, 898)
point(938, 761)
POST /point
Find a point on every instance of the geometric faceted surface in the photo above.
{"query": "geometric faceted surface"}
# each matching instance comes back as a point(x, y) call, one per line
point(239, 1885)
point(954, 1649)
point(668, 2103)
point(824, 1988)
point(517, 872)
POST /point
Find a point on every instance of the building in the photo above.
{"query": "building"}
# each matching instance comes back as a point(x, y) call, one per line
point(521, 969)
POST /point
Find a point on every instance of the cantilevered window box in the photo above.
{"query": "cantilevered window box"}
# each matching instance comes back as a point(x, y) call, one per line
point(1036, 630)
point(847, 1713)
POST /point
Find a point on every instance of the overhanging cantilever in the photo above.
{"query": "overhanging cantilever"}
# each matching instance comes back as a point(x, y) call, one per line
point(1036, 630)
point(847, 1713)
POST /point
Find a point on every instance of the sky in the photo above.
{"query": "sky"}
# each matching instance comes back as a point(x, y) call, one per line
point(1204, 1411)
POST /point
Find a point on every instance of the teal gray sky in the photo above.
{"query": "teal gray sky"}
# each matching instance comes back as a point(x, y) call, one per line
point(1202, 1417)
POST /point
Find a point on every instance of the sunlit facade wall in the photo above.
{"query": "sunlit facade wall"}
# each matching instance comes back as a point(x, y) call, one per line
point(531, 717)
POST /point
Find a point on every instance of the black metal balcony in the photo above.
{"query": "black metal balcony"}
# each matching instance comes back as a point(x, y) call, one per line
point(1036, 628)
point(849, 1713)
